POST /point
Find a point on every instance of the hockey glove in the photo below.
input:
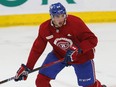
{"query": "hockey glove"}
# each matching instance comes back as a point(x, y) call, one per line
point(22, 73)
point(71, 55)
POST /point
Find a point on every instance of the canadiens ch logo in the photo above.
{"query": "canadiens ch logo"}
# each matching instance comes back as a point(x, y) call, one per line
point(63, 43)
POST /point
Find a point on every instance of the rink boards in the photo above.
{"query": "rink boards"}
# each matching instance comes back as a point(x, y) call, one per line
point(37, 19)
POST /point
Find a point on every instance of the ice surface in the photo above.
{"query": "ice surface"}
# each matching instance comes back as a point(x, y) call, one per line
point(16, 42)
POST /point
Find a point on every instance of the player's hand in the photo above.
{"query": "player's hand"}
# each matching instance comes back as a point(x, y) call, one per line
point(71, 55)
point(22, 73)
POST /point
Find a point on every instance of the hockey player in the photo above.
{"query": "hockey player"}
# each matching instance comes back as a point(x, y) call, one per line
point(72, 40)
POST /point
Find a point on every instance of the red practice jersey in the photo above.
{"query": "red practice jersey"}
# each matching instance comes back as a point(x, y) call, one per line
point(74, 32)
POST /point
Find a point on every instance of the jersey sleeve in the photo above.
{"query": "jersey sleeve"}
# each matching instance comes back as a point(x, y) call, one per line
point(87, 38)
point(37, 49)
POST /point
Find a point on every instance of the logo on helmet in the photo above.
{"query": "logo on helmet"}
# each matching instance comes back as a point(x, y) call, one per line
point(57, 9)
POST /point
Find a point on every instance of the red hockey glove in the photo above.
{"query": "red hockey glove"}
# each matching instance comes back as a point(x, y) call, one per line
point(71, 54)
point(22, 73)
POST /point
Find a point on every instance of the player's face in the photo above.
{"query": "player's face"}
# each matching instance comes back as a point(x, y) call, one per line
point(59, 20)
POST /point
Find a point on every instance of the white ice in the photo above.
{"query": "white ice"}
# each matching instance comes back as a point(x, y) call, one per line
point(16, 42)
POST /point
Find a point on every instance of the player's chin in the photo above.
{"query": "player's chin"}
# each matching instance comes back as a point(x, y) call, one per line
point(59, 25)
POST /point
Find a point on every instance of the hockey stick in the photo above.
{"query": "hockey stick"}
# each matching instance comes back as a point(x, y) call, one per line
point(36, 69)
